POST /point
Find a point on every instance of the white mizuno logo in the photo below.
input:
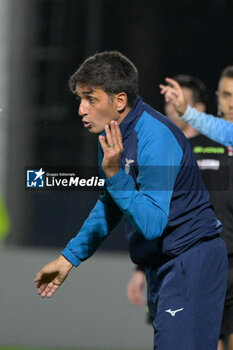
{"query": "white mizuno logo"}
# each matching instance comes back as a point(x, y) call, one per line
point(173, 312)
point(127, 165)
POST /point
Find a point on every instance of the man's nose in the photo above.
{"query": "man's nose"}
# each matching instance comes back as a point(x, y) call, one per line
point(82, 108)
point(231, 101)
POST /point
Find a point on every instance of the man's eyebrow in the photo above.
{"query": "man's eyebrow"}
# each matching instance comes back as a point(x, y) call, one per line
point(226, 92)
point(84, 93)
point(88, 92)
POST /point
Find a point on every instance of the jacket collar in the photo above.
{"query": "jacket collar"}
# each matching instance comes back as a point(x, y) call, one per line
point(128, 123)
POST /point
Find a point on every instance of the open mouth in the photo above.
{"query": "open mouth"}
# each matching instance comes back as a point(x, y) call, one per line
point(86, 124)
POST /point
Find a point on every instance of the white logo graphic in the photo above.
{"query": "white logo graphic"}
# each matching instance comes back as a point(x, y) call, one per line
point(35, 178)
point(173, 312)
point(39, 174)
point(127, 165)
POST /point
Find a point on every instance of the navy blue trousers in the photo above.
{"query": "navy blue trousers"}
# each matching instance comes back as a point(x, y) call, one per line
point(186, 297)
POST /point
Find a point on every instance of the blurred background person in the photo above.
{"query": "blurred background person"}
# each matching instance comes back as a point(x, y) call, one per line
point(217, 129)
point(220, 165)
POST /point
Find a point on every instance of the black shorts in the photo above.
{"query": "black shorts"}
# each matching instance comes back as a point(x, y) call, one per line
point(227, 321)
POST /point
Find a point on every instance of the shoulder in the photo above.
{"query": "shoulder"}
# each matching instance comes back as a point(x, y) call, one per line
point(154, 127)
point(159, 140)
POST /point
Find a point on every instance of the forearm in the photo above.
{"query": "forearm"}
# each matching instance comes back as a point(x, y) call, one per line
point(102, 219)
point(215, 128)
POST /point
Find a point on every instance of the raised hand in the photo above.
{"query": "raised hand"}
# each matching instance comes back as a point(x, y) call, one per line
point(173, 93)
point(112, 147)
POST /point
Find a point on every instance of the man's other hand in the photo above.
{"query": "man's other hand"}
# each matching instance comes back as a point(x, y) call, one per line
point(135, 288)
point(51, 276)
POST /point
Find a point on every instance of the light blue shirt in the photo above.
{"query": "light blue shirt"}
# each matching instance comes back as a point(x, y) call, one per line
point(217, 129)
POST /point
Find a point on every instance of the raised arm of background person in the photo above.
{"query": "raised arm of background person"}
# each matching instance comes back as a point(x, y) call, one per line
point(174, 94)
point(215, 128)
point(146, 204)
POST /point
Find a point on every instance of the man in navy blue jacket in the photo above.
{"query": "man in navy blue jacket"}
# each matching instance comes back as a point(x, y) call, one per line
point(153, 181)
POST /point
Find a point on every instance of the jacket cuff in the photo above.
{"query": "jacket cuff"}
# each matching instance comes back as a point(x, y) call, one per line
point(186, 113)
point(71, 257)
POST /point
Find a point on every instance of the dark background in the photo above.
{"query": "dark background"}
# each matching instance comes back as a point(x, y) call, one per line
point(162, 38)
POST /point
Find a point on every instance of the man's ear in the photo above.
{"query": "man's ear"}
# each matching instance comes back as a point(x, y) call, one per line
point(121, 102)
point(200, 106)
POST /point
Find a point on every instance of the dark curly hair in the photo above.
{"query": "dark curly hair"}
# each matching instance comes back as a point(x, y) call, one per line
point(110, 71)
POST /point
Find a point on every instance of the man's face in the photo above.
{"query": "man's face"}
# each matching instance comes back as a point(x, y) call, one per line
point(225, 98)
point(96, 108)
point(171, 113)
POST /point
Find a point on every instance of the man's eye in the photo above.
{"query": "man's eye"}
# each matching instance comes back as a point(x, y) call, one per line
point(91, 99)
point(225, 95)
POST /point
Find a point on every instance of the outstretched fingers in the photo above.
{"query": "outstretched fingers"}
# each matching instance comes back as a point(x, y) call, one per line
point(103, 142)
point(116, 132)
point(172, 86)
point(113, 139)
point(47, 289)
point(46, 283)
point(173, 83)
point(38, 280)
point(109, 136)
point(163, 88)
point(170, 95)
point(52, 291)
